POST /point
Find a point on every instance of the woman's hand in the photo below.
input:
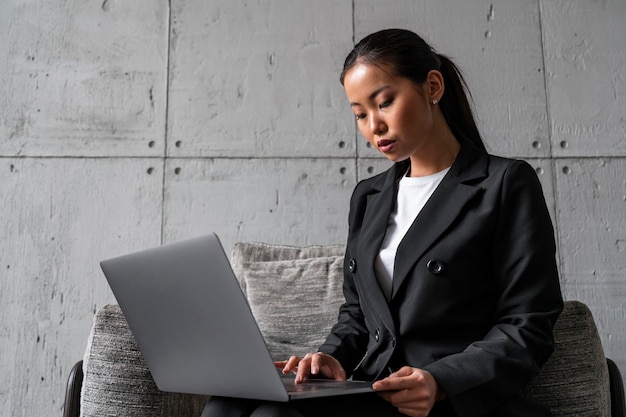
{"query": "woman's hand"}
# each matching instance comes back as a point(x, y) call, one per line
point(313, 364)
point(412, 391)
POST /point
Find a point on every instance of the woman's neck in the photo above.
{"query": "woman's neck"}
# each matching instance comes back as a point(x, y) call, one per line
point(439, 155)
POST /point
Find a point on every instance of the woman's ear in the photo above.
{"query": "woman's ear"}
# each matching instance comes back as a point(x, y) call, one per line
point(435, 85)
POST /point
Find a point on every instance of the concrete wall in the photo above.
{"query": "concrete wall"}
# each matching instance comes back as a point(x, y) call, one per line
point(124, 124)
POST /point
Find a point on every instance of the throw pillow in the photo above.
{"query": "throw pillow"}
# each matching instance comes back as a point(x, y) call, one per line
point(295, 302)
point(246, 252)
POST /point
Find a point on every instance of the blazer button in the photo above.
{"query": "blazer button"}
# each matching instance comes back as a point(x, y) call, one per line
point(352, 265)
point(377, 335)
point(435, 267)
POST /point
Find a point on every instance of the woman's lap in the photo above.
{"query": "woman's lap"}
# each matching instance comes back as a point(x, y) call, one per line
point(361, 405)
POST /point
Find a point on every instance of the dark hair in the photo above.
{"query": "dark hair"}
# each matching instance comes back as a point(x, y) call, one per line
point(409, 56)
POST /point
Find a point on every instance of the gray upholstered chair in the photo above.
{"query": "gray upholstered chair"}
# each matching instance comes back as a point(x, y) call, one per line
point(113, 379)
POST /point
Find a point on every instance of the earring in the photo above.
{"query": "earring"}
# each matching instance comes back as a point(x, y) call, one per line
point(435, 102)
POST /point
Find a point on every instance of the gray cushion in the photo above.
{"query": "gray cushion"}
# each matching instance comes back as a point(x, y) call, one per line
point(293, 292)
point(117, 381)
point(574, 381)
point(294, 302)
point(247, 252)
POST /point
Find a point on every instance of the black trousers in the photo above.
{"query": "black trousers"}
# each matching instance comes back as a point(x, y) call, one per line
point(357, 405)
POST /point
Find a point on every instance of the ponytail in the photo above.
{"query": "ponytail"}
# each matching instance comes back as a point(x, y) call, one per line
point(455, 106)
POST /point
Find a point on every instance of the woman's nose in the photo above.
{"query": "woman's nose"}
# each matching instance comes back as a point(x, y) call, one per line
point(377, 125)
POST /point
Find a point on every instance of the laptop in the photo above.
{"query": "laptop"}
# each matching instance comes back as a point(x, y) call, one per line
point(195, 329)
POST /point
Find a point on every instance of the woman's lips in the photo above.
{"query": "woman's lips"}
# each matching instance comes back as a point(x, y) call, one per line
point(386, 145)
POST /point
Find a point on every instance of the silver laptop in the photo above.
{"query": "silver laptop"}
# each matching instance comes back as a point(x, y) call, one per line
point(194, 326)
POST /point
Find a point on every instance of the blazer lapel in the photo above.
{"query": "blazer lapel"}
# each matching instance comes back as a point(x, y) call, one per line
point(448, 200)
point(378, 208)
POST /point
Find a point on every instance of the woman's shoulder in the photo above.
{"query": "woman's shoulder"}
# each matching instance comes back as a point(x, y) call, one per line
point(480, 168)
point(382, 180)
point(507, 166)
point(515, 177)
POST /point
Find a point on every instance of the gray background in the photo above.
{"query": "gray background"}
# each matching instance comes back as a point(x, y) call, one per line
point(125, 124)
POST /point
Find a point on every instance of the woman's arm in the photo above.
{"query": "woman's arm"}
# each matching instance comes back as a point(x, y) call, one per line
point(528, 303)
point(348, 337)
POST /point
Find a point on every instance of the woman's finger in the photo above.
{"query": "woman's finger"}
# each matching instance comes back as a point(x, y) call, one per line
point(303, 369)
point(291, 364)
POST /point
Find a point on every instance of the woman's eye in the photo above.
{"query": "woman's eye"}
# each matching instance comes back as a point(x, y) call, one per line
point(385, 104)
point(359, 116)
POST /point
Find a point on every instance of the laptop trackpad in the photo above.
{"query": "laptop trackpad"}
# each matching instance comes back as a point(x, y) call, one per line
point(324, 387)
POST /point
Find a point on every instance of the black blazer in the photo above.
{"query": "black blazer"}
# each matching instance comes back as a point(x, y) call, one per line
point(475, 288)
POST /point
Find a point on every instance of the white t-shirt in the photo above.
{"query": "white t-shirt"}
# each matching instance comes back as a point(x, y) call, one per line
point(413, 193)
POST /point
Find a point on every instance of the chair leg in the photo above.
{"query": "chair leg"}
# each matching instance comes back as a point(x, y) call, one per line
point(618, 404)
point(72, 391)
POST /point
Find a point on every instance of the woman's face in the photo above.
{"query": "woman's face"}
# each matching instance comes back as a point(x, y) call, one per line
point(393, 113)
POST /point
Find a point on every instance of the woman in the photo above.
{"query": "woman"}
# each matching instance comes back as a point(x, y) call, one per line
point(450, 279)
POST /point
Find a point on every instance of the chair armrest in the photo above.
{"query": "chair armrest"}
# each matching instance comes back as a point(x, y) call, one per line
point(618, 404)
point(72, 391)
